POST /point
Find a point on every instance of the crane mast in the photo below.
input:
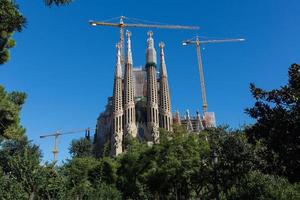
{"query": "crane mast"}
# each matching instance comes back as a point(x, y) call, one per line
point(197, 42)
point(201, 76)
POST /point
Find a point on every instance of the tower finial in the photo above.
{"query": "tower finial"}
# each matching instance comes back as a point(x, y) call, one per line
point(150, 34)
point(163, 69)
point(161, 45)
point(151, 53)
point(118, 64)
point(129, 53)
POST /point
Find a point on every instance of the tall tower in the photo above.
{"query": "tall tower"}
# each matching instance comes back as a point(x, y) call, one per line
point(152, 95)
point(129, 106)
point(165, 114)
point(117, 121)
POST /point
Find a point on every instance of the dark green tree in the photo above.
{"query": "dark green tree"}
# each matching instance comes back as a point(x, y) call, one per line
point(82, 147)
point(231, 158)
point(52, 183)
point(57, 2)
point(11, 20)
point(277, 127)
point(261, 186)
point(10, 107)
point(86, 175)
point(19, 160)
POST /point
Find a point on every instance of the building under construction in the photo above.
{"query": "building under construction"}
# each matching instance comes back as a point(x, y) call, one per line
point(141, 102)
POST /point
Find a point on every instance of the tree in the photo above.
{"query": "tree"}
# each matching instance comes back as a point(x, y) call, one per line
point(11, 20)
point(57, 2)
point(260, 186)
point(104, 191)
point(277, 127)
point(86, 175)
point(10, 107)
point(82, 147)
point(19, 160)
point(52, 183)
point(231, 157)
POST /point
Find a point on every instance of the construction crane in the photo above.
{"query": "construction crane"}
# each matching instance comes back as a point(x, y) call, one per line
point(197, 42)
point(121, 25)
point(58, 133)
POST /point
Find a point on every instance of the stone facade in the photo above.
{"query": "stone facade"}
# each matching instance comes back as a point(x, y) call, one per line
point(140, 104)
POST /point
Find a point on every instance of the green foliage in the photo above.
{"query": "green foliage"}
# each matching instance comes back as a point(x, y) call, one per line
point(104, 191)
point(82, 147)
point(86, 177)
point(19, 160)
point(11, 20)
point(57, 2)
point(234, 157)
point(52, 183)
point(276, 132)
point(181, 165)
point(261, 186)
point(10, 107)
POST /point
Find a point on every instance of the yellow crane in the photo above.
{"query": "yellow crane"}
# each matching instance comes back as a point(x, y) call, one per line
point(58, 133)
point(121, 25)
point(197, 42)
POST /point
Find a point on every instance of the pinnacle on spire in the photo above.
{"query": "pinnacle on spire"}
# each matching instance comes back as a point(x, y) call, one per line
point(118, 72)
point(189, 125)
point(129, 53)
point(187, 114)
point(199, 122)
point(163, 69)
point(151, 53)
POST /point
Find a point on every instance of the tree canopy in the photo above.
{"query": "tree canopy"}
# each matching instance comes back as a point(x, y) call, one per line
point(276, 132)
point(11, 20)
point(10, 107)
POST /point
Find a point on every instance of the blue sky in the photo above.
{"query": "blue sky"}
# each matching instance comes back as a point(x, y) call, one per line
point(66, 66)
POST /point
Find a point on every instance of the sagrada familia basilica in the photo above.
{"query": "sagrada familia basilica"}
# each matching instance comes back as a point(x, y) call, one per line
point(141, 102)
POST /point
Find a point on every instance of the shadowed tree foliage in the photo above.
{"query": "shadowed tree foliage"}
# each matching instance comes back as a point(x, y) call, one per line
point(57, 2)
point(257, 185)
point(82, 147)
point(11, 20)
point(10, 107)
point(276, 131)
point(19, 160)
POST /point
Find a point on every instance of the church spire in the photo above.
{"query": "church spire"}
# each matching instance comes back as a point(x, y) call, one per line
point(163, 69)
point(151, 53)
point(152, 93)
point(129, 104)
point(117, 115)
point(166, 120)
